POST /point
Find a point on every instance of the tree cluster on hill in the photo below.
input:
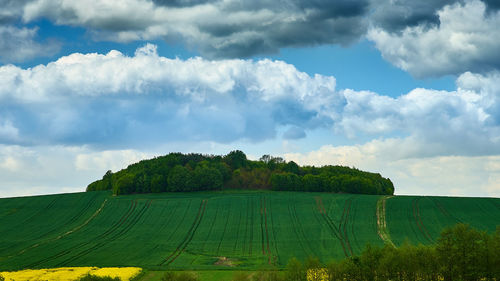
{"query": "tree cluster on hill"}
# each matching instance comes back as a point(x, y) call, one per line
point(197, 172)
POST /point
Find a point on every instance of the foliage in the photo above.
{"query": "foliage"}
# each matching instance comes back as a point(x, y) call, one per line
point(180, 276)
point(461, 253)
point(177, 172)
point(90, 277)
point(2, 278)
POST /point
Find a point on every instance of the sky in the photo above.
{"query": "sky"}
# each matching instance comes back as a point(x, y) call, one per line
point(407, 89)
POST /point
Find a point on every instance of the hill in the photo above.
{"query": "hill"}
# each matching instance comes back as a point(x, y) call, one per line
point(217, 230)
point(196, 172)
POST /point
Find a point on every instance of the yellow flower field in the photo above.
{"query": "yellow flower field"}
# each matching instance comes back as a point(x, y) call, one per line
point(70, 273)
point(317, 274)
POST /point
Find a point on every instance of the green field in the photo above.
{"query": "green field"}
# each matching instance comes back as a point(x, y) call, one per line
point(220, 230)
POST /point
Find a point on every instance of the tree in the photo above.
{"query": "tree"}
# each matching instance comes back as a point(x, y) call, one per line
point(295, 271)
point(292, 167)
point(459, 250)
point(124, 184)
point(236, 159)
point(158, 183)
point(179, 179)
point(207, 178)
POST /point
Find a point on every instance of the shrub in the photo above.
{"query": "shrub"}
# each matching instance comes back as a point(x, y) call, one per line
point(90, 277)
point(181, 276)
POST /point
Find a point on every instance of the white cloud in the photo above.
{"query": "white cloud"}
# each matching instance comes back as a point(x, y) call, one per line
point(57, 169)
point(122, 102)
point(466, 39)
point(18, 44)
point(8, 133)
point(114, 160)
point(439, 175)
point(115, 99)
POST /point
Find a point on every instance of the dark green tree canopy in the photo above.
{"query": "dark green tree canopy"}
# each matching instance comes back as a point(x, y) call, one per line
point(177, 172)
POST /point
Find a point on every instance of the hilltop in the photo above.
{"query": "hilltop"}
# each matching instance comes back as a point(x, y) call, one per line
point(177, 172)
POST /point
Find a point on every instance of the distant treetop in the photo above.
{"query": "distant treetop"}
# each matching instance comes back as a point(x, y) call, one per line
point(177, 172)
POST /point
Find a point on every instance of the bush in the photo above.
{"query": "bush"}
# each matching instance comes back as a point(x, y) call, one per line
point(90, 277)
point(241, 276)
point(181, 276)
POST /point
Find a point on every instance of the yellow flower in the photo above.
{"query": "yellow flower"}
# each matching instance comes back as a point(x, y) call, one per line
point(317, 274)
point(70, 273)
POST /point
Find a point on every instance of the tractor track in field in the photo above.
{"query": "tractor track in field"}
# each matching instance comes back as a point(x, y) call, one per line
point(334, 228)
point(37, 213)
point(264, 210)
point(66, 233)
point(102, 235)
point(299, 233)
point(246, 225)
point(443, 210)
point(72, 219)
point(343, 223)
point(122, 232)
point(276, 256)
point(418, 219)
point(187, 239)
point(262, 237)
point(211, 228)
point(180, 222)
point(251, 226)
point(225, 229)
point(382, 229)
point(237, 232)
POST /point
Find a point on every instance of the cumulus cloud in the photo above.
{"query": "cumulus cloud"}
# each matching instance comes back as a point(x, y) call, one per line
point(108, 159)
point(438, 175)
point(57, 169)
point(464, 40)
point(19, 44)
point(114, 99)
point(117, 100)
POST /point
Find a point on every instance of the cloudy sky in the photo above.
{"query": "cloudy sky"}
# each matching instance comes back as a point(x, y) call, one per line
point(409, 89)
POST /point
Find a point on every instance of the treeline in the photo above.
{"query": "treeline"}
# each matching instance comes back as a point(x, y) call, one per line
point(461, 253)
point(177, 172)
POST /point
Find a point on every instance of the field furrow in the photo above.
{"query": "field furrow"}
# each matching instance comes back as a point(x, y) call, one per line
point(244, 230)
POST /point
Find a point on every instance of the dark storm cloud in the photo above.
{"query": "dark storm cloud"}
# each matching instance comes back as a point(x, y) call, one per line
point(181, 3)
point(396, 15)
point(297, 24)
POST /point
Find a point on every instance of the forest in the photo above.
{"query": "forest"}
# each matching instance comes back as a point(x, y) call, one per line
point(177, 172)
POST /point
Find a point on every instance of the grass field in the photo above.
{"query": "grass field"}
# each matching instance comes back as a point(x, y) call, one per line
point(219, 230)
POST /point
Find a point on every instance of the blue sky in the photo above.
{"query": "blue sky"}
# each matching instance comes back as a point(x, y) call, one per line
point(408, 89)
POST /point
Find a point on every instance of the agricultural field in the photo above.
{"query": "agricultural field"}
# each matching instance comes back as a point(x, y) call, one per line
point(241, 230)
point(71, 273)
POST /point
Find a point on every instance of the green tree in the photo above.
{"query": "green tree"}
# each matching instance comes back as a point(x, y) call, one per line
point(124, 184)
point(295, 271)
point(207, 178)
point(181, 276)
point(158, 183)
point(90, 277)
point(179, 179)
point(459, 249)
point(236, 159)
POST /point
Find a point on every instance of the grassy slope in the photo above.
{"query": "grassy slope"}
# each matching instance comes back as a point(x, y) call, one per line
point(252, 229)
